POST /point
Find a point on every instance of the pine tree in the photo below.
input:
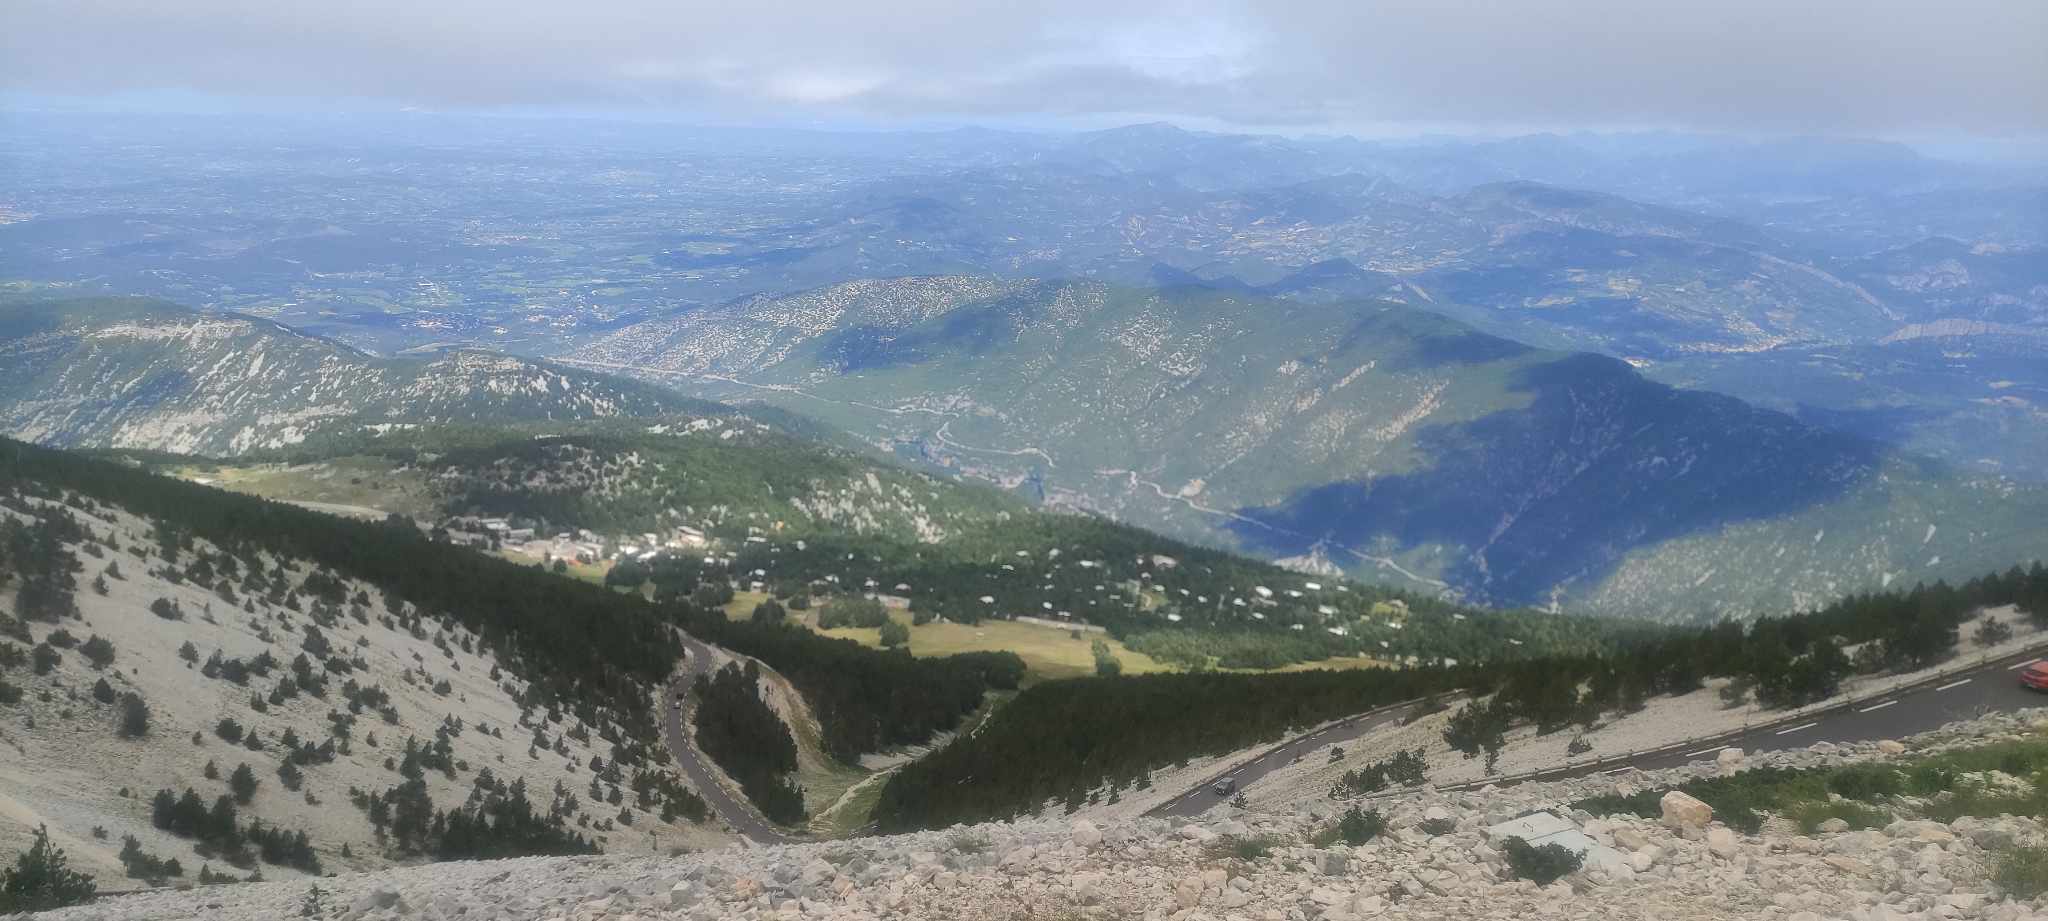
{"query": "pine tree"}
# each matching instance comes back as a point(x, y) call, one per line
point(41, 879)
point(134, 716)
point(243, 783)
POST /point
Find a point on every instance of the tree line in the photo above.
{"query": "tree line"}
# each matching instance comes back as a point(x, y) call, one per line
point(594, 652)
point(1062, 740)
point(865, 700)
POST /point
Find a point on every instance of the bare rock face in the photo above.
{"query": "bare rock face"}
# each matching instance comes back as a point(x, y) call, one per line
point(1682, 811)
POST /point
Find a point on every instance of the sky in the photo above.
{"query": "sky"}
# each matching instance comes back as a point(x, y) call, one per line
point(1879, 68)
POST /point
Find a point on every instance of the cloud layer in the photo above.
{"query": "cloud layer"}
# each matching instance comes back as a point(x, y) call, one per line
point(1820, 66)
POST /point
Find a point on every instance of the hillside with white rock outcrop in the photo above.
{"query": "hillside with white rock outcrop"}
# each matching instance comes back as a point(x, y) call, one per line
point(1436, 858)
point(136, 373)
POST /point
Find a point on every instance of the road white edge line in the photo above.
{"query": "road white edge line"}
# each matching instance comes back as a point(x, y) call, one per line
point(2022, 664)
point(1705, 751)
point(1796, 728)
point(1953, 684)
point(1877, 706)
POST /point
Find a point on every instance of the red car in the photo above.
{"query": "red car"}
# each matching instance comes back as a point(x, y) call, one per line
point(2035, 676)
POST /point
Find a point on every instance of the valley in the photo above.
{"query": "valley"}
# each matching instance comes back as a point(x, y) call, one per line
point(1339, 434)
point(996, 523)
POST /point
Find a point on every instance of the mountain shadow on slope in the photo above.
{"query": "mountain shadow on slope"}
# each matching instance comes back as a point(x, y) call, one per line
point(1561, 490)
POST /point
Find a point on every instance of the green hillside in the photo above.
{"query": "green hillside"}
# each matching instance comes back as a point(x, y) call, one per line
point(1366, 436)
point(790, 518)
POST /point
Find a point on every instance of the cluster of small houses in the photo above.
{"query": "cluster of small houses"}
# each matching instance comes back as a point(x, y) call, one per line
point(584, 546)
point(581, 544)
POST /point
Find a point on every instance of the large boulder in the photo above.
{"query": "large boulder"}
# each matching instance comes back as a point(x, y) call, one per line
point(1684, 811)
point(1086, 834)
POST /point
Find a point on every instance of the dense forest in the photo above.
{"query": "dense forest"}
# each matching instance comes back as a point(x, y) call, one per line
point(865, 700)
point(1063, 739)
point(1066, 739)
point(748, 740)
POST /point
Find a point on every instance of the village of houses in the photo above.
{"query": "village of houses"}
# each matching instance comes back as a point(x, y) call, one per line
point(1141, 590)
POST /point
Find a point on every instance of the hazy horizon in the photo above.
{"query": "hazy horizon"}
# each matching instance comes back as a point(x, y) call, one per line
point(1977, 70)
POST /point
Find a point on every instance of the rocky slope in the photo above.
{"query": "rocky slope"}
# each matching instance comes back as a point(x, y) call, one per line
point(287, 654)
point(135, 373)
point(1268, 866)
point(1385, 440)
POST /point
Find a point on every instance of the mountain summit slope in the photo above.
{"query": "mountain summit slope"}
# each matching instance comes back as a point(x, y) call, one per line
point(1363, 435)
point(138, 373)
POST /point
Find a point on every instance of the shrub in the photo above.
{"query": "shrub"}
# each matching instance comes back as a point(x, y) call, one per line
point(2022, 873)
point(1992, 632)
point(1106, 663)
point(894, 634)
point(97, 651)
point(1251, 847)
point(1539, 865)
point(769, 612)
point(1358, 826)
point(103, 692)
point(1439, 826)
point(229, 730)
point(1810, 815)
point(1866, 782)
point(852, 612)
point(134, 716)
point(40, 879)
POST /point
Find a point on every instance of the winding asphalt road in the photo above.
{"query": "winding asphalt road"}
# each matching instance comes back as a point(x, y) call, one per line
point(705, 777)
point(1960, 694)
point(1198, 800)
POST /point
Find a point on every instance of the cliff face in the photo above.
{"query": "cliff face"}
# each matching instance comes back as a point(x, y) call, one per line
point(1234, 865)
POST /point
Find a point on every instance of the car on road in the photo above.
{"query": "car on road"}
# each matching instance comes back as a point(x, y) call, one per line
point(1224, 787)
point(2035, 676)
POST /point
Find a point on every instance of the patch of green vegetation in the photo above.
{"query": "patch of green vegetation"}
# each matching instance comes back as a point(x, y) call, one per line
point(2022, 873)
point(1999, 778)
point(1809, 815)
point(1541, 865)
point(1243, 847)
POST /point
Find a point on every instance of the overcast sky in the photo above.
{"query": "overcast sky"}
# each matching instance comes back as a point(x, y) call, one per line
point(1869, 67)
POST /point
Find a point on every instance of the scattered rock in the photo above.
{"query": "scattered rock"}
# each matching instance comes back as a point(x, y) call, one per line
point(1723, 842)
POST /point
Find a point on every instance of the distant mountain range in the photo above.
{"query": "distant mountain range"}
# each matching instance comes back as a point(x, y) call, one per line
point(1729, 263)
point(1362, 435)
point(137, 373)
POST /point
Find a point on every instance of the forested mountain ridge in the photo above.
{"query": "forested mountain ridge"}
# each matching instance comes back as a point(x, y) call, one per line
point(733, 500)
point(1363, 435)
point(139, 373)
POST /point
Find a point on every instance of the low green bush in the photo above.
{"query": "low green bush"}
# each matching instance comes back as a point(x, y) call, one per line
point(1249, 847)
point(2022, 873)
point(1360, 825)
point(1809, 816)
point(1540, 865)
